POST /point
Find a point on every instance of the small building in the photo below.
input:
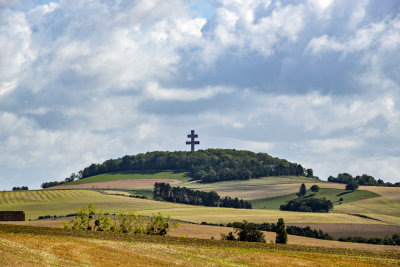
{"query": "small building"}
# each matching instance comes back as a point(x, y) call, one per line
point(12, 216)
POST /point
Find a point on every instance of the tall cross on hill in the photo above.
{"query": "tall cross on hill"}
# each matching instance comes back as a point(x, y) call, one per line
point(192, 136)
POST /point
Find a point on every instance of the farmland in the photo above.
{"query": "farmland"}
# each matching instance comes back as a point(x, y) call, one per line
point(129, 175)
point(21, 245)
point(331, 194)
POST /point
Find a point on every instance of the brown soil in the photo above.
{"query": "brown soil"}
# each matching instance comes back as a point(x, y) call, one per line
point(345, 230)
point(133, 183)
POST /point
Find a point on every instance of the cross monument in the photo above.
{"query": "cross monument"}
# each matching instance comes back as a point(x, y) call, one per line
point(192, 136)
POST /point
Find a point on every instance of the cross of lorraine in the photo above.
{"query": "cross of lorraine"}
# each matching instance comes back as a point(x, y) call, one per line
point(192, 142)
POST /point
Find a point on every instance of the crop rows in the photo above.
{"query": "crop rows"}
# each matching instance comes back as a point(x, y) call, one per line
point(8, 198)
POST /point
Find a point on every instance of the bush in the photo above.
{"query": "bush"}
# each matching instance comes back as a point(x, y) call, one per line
point(246, 232)
point(314, 188)
point(90, 219)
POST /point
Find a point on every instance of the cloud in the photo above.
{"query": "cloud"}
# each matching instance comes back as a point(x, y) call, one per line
point(155, 92)
point(316, 82)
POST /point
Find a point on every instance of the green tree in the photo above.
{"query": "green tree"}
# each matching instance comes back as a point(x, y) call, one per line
point(302, 191)
point(281, 234)
point(314, 188)
point(309, 173)
point(351, 186)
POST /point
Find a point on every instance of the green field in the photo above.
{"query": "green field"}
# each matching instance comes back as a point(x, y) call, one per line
point(128, 175)
point(331, 194)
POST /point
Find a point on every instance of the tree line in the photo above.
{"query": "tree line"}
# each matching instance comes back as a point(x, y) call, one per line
point(365, 179)
point(291, 230)
point(393, 241)
point(17, 188)
point(185, 195)
point(207, 166)
point(251, 232)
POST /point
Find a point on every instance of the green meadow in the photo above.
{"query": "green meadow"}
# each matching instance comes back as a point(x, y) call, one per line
point(128, 175)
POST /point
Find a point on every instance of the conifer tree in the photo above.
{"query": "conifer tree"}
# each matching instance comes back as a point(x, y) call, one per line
point(281, 234)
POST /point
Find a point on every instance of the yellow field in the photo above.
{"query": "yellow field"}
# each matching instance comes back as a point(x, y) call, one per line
point(73, 249)
point(208, 231)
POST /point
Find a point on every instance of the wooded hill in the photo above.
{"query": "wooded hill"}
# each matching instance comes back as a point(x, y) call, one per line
point(210, 165)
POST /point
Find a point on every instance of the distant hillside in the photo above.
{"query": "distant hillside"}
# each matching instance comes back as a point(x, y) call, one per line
point(211, 165)
point(205, 166)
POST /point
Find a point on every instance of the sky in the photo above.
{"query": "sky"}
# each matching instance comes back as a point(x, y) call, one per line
point(316, 82)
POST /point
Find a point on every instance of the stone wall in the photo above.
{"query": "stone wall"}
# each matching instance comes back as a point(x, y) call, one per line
point(12, 216)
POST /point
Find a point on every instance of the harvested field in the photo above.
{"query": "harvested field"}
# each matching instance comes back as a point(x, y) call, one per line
point(45, 246)
point(209, 231)
point(345, 230)
point(392, 193)
point(378, 205)
point(119, 184)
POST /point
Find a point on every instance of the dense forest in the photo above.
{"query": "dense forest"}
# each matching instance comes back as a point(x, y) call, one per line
point(365, 179)
point(195, 197)
point(207, 166)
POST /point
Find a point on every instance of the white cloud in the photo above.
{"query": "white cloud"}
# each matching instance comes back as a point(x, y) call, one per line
point(81, 82)
point(154, 91)
point(329, 145)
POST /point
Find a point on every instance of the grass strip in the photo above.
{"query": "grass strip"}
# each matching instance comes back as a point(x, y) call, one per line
point(63, 194)
point(22, 229)
point(10, 198)
point(58, 195)
point(51, 194)
point(16, 197)
point(39, 193)
point(22, 196)
point(31, 196)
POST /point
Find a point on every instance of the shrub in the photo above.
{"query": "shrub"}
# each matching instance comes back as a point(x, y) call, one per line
point(90, 219)
point(314, 188)
point(246, 232)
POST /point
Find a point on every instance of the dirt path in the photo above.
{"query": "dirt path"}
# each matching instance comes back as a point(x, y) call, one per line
point(118, 184)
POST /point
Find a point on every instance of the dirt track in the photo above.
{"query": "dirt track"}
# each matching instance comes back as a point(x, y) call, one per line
point(119, 184)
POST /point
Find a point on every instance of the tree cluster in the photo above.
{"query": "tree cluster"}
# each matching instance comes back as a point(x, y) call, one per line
point(195, 197)
point(210, 165)
point(393, 241)
point(365, 179)
point(16, 188)
point(291, 230)
point(308, 205)
point(245, 231)
point(69, 179)
point(90, 219)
